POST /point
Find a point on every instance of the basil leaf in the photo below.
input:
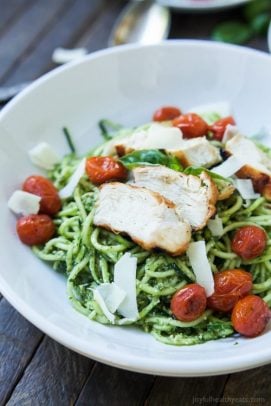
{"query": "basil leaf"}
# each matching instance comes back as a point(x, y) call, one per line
point(196, 171)
point(150, 157)
point(109, 129)
point(234, 32)
point(260, 23)
point(256, 7)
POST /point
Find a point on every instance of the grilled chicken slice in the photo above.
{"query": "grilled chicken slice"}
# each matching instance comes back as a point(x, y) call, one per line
point(197, 152)
point(194, 152)
point(257, 164)
point(195, 197)
point(147, 217)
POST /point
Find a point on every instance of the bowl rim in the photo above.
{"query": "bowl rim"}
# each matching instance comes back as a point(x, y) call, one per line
point(189, 368)
point(198, 7)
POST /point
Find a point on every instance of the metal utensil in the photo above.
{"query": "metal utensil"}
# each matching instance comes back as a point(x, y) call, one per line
point(143, 22)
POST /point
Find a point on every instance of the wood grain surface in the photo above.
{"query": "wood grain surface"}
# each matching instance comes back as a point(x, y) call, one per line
point(34, 369)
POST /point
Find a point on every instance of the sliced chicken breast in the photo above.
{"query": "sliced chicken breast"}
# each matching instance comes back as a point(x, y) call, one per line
point(193, 152)
point(194, 197)
point(147, 217)
point(257, 164)
point(197, 152)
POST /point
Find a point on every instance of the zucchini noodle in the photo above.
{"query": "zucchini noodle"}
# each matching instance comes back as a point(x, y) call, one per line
point(86, 254)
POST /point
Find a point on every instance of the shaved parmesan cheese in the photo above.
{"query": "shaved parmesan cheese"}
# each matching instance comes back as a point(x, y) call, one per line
point(100, 300)
point(62, 55)
point(112, 295)
point(230, 132)
point(212, 111)
point(24, 203)
point(125, 279)
point(44, 156)
point(68, 190)
point(245, 188)
point(228, 167)
point(216, 226)
point(162, 137)
point(198, 259)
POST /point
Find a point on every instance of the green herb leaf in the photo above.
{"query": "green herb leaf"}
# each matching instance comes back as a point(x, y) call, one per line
point(109, 129)
point(193, 170)
point(256, 7)
point(69, 139)
point(150, 157)
point(260, 23)
point(234, 32)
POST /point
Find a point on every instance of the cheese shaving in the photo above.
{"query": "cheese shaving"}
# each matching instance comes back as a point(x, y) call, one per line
point(245, 188)
point(228, 167)
point(24, 203)
point(44, 156)
point(216, 226)
point(68, 190)
point(198, 259)
point(125, 279)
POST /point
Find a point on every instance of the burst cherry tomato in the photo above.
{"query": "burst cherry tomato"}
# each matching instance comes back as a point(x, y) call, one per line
point(230, 286)
point(38, 185)
point(189, 303)
point(102, 169)
point(191, 125)
point(35, 229)
point(219, 127)
point(166, 113)
point(249, 242)
point(250, 316)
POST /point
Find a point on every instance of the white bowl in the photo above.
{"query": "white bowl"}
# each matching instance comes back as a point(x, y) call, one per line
point(202, 5)
point(124, 84)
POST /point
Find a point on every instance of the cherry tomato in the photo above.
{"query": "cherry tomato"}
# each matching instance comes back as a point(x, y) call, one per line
point(191, 125)
point(230, 286)
point(35, 229)
point(249, 242)
point(102, 169)
point(166, 113)
point(189, 303)
point(38, 185)
point(219, 127)
point(250, 316)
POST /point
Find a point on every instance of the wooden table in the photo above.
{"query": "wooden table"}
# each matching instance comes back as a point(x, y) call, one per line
point(34, 369)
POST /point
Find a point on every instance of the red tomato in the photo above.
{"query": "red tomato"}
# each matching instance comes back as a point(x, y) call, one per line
point(166, 113)
point(189, 303)
point(249, 242)
point(191, 125)
point(230, 286)
point(35, 229)
point(102, 169)
point(219, 127)
point(38, 185)
point(250, 316)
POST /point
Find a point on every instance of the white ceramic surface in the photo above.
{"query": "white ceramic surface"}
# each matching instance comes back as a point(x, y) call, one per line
point(202, 5)
point(124, 84)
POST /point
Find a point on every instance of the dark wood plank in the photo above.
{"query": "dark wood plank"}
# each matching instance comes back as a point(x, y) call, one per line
point(18, 341)
point(97, 36)
point(114, 387)
point(185, 391)
point(29, 28)
point(10, 10)
point(69, 27)
point(250, 387)
point(55, 376)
